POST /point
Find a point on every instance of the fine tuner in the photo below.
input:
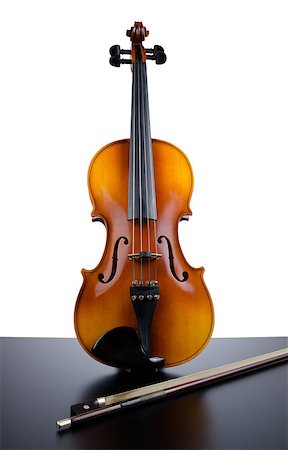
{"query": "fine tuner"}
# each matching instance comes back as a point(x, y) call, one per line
point(156, 54)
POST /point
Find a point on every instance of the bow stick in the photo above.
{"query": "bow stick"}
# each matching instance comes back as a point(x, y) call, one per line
point(134, 397)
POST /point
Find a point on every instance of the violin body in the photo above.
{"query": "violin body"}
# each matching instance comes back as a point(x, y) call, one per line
point(143, 307)
point(183, 319)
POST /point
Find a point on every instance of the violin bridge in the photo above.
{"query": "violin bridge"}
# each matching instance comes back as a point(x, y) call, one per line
point(144, 255)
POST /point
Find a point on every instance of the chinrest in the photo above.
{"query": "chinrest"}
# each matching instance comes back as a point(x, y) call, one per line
point(121, 347)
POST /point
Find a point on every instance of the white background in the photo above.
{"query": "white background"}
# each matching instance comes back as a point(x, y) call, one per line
point(222, 97)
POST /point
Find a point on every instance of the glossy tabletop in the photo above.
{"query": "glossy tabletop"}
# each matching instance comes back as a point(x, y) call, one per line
point(41, 378)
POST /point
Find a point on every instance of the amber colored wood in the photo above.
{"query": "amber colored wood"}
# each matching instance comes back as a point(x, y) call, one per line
point(184, 318)
point(137, 33)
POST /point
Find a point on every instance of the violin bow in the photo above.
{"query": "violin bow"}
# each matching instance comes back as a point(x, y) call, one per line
point(116, 402)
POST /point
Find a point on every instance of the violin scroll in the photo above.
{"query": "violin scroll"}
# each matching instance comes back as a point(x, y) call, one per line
point(137, 35)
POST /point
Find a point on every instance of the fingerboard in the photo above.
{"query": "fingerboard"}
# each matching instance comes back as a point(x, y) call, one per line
point(141, 188)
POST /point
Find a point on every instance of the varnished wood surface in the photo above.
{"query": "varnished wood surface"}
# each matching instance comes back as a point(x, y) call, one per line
point(183, 320)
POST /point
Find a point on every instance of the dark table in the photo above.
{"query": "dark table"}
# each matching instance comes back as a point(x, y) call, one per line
point(41, 378)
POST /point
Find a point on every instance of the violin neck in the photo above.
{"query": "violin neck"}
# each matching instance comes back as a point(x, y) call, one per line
point(141, 188)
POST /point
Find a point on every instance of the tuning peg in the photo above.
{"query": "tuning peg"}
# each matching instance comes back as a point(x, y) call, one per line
point(160, 57)
point(115, 50)
point(157, 54)
point(157, 48)
point(115, 60)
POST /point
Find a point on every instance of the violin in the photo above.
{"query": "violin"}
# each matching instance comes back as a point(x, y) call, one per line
point(143, 306)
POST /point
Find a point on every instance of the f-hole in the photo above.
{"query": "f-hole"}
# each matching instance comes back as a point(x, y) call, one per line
point(171, 260)
point(114, 261)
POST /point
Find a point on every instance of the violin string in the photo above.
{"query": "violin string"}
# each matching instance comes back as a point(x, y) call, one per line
point(154, 219)
point(140, 171)
point(133, 127)
point(145, 145)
